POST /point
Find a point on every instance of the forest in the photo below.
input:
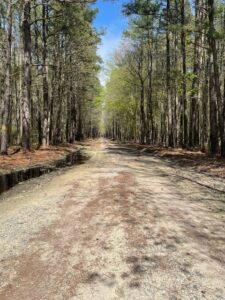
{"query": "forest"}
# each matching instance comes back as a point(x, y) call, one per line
point(48, 72)
point(112, 149)
point(167, 79)
point(166, 82)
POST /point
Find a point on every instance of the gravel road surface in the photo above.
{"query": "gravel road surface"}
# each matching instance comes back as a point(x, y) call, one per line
point(123, 225)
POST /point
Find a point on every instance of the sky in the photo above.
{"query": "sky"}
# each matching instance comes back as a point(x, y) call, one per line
point(111, 20)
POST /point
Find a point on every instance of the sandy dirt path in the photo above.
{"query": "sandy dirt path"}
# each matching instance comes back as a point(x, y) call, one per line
point(121, 226)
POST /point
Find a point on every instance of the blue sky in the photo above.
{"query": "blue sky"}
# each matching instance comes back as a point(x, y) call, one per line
point(110, 19)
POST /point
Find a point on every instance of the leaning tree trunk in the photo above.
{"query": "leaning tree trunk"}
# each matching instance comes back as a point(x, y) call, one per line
point(26, 97)
point(7, 85)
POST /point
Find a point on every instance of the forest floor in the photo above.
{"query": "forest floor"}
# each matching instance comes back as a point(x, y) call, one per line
point(124, 225)
point(18, 159)
point(199, 161)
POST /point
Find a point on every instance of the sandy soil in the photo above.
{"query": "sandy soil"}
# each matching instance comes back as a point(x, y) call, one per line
point(124, 225)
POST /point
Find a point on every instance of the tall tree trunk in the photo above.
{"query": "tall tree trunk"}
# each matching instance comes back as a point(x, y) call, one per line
point(149, 134)
point(184, 123)
point(195, 93)
point(26, 97)
point(213, 111)
point(215, 73)
point(45, 130)
point(7, 85)
point(142, 114)
point(204, 101)
point(168, 108)
point(73, 117)
point(79, 133)
point(58, 126)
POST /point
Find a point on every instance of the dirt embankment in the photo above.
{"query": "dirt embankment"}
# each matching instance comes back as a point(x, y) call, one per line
point(19, 159)
point(19, 166)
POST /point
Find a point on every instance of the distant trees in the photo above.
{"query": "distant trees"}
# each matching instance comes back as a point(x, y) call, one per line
point(173, 69)
point(48, 71)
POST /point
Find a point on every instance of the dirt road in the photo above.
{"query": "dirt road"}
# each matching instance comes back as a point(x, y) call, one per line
point(120, 226)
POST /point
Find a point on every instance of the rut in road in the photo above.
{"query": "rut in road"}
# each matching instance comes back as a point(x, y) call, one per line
point(120, 226)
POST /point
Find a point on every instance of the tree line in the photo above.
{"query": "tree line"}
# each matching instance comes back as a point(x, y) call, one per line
point(48, 72)
point(167, 80)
